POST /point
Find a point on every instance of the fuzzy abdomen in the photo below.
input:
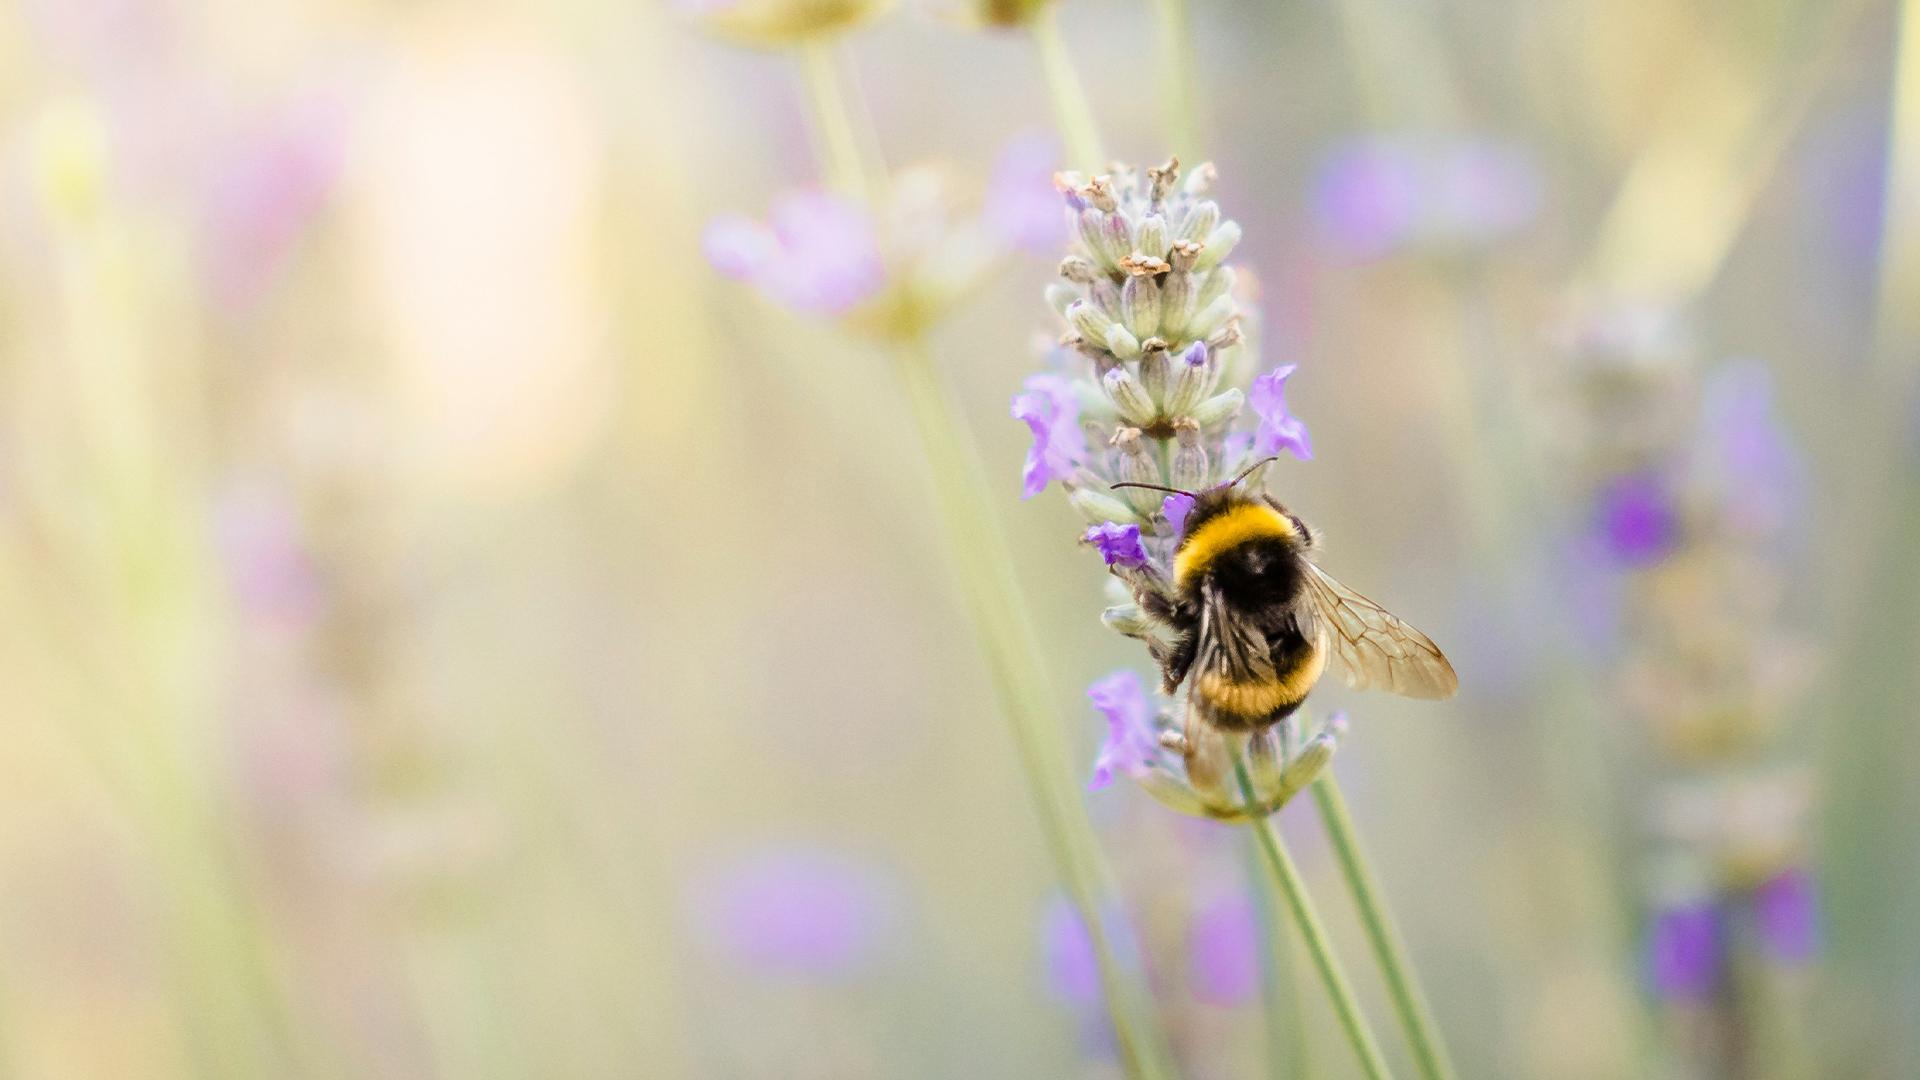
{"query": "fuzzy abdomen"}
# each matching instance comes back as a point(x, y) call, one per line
point(1242, 703)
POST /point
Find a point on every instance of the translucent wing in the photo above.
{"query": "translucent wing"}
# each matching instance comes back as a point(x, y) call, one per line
point(1371, 646)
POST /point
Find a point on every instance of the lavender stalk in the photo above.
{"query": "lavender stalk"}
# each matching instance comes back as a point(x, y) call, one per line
point(1339, 991)
point(1409, 1002)
point(996, 607)
point(1164, 373)
point(1071, 111)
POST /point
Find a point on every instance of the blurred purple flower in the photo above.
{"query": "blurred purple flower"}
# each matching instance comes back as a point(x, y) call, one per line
point(263, 550)
point(1744, 454)
point(1684, 951)
point(1131, 741)
point(1176, 508)
point(1373, 196)
point(262, 193)
point(1118, 544)
point(1224, 949)
point(816, 252)
point(1366, 196)
point(1635, 520)
point(1022, 206)
point(1073, 972)
point(1059, 445)
point(1787, 910)
point(797, 911)
point(1278, 429)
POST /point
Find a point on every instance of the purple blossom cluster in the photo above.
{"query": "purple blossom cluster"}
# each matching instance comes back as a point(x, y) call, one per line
point(893, 267)
point(1155, 380)
point(1689, 490)
point(1689, 941)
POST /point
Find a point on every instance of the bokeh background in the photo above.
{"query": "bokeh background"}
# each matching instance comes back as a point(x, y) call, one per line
point(447, 629)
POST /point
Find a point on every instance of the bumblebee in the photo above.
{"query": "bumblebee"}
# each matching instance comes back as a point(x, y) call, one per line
point(1256, 623)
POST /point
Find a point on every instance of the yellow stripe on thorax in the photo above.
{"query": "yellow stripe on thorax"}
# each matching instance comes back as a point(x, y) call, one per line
point(1236, 525)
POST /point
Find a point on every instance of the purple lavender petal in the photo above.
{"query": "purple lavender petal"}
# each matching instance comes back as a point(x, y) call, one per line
point(1787, 909)
point(797, 911)
point(1022, 205)
point(1683, 951)
point(1224, 948)
point(1052, 413)
point(1118, 544)
point(1175, 509)
point(1073, 973)
point(1278, 429)
point(1131, 740)
point(1635, 520)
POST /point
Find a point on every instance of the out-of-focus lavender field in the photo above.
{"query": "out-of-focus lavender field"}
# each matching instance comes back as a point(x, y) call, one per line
point(478, 597)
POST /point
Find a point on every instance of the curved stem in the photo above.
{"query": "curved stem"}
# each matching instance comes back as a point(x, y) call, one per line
point(1416, 1017)
point(1071, 110)
point(998, 611)
point(1288, 1053)
point(1175, 43)
point(983, 562)
point(837, 146)
point(1345, 1005)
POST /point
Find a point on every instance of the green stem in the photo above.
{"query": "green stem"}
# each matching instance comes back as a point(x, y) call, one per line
point(1284, 997)
point(1175, 46)
point(1345, 1005)
point(1071, 110)
point(1416, 1017)
point(996, 606)
point(838, 147)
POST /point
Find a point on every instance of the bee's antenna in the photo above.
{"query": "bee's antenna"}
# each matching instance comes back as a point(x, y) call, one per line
point(1249, 470)
point(1153, 487)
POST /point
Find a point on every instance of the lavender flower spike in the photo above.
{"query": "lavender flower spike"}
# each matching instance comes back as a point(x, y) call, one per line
point(1160, 357)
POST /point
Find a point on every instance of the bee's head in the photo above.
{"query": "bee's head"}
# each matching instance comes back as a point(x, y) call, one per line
point(1212, 501)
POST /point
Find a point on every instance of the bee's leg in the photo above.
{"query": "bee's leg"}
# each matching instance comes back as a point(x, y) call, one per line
point(1174, 660)
point(1156, 603)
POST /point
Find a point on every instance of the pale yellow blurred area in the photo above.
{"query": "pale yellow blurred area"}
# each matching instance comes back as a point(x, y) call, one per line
point(427, 586)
